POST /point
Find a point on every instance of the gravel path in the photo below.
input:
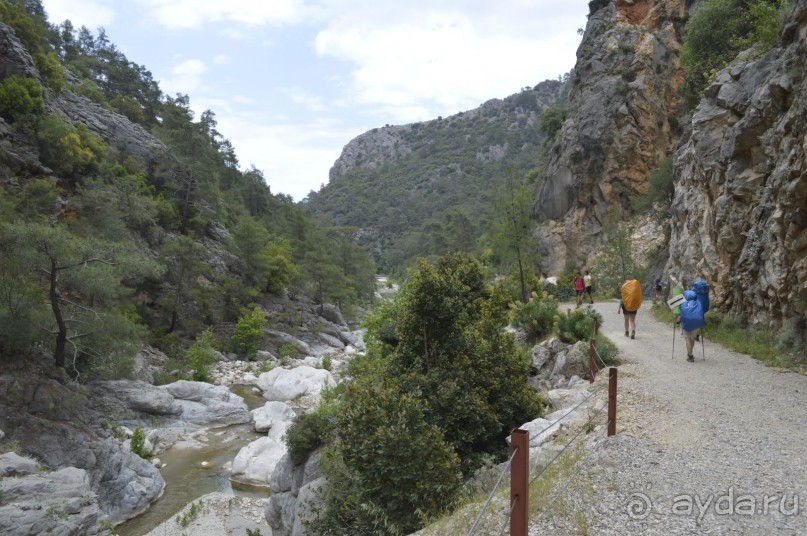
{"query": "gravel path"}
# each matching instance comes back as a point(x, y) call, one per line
point(718, 446)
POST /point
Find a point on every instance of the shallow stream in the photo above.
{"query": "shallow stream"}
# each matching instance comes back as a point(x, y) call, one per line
point(193, 471)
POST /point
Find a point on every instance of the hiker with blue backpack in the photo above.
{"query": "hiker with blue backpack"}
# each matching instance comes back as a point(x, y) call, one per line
point(693, 314)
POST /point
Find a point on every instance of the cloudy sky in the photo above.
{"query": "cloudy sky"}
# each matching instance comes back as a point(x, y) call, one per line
point(292, 81)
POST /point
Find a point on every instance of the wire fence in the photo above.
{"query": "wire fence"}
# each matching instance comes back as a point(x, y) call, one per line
point(596, 360)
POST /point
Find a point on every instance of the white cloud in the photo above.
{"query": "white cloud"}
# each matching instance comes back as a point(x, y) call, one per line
point(89, 13)
point(194, 13)
point(222, 59)
point(450, 57)
point(294, 157)
point(185, 77)
point(303, 97)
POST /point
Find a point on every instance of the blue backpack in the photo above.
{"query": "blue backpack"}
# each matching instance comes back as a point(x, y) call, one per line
point(702, 292)
point(692, 312)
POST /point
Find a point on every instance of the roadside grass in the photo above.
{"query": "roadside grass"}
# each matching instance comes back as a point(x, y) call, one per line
point(730, 333)
point(560, 494)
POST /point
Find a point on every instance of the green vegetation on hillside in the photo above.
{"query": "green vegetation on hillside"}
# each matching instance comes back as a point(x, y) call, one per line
point(718, 31)
point(437, 194)
point(106, 252)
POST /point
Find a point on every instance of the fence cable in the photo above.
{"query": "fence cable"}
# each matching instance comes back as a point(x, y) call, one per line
point(568, 483)
point(508, 516)
point(582, 429)
point(493, 492)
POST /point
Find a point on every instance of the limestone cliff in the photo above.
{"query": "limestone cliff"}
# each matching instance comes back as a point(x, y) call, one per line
point(740, 205)
point(19, 153)
point(622, 119)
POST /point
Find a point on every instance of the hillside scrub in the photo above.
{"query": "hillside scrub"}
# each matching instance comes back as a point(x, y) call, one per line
point(441, 386)
point(105, 249)
point(718, 31)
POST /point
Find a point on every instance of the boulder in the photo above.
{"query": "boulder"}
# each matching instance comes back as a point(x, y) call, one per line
point(289, 384)
point(135, 396)
point(255, 463)
point(540, 356)
point(270, 414)
point(12, 464)
point(294, 495)
point(206, 404)
point(60, 502)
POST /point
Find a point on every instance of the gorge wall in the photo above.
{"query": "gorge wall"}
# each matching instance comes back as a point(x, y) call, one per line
point(622, 119)
point(740, 205)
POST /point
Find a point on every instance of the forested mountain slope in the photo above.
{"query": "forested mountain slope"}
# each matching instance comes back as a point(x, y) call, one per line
point(125, 219)
point(427, 188)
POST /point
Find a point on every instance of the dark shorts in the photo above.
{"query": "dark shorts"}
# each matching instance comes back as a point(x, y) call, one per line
point(628, 313)
point(588, 289)
point(579, 292)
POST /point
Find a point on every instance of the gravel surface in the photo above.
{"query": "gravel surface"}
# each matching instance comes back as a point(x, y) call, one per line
point(718, 446)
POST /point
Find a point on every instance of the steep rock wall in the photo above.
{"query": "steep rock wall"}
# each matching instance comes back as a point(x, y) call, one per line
point(20, 153)
point(621, 121)
point(740, 204)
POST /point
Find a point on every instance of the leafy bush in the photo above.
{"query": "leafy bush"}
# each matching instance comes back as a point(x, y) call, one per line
point(537, 317)
point(312, 430)
point(68, 150)
point(402, 468)
point(578, 325)
point(138, 444)
point(718, 31)
point(20, 97)
point(248, 331)
point(660, 187)
point(200, 356)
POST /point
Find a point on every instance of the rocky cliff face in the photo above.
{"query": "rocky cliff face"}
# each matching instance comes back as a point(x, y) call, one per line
point(20, 154)
point(622, 119)
point(740, 205)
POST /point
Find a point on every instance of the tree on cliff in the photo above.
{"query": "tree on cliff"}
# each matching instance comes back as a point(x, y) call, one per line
point(81, 279)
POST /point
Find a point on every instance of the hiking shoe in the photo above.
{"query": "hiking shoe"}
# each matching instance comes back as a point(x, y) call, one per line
point(691, 358)
point(632, 334)
point(627, 334)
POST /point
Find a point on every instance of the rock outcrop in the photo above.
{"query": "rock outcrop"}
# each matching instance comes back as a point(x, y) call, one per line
point(739, 211)
point(621, 121)
point(117, 130)
point(40, 502)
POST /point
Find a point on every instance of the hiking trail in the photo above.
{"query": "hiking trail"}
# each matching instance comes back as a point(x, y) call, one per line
point(718, 446)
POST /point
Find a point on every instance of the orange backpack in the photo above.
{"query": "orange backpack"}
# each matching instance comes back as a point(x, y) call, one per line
point(632, 295)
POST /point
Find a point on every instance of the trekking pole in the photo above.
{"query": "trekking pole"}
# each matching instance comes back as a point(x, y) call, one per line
point(672, 356)
point(703, 347)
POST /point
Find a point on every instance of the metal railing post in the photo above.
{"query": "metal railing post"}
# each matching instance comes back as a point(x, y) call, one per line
point(596, 327)
point(611, 401)
point(592, 360)
point(519, 482)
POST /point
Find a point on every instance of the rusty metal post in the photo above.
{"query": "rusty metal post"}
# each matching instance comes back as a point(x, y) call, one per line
point(519, 482)
point(596, 327)
point(592, 360)
point(611, 401)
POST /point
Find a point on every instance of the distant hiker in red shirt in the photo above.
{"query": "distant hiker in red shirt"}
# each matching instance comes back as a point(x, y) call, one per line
point(579, 288)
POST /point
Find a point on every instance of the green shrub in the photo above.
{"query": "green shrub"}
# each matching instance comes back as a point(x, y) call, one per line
point(248, 332)
point(289, 350)
point(578, 325)
point(138, 444)
point(200, 356)
point(310, 431)
point(537, 317)
point(403, 470)
point(20, 97)
point(718, 31)
point(660, 187)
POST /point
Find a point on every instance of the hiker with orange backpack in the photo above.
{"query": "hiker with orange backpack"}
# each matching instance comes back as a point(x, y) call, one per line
point(629, 305)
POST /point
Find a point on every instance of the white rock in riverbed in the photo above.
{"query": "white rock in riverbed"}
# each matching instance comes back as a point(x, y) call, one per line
point(270, 414)
point(288, 384)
